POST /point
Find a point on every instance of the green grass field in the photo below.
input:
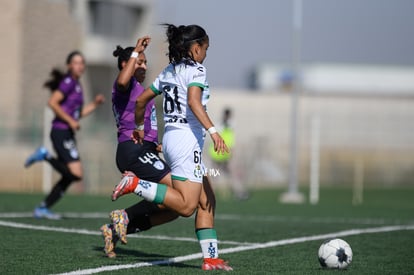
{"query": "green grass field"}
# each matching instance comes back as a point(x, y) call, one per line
point(259, 235)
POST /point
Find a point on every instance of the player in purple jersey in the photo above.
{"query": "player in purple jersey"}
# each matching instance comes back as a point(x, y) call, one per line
point(185, 89)
point(142, 159)
point(67, 103)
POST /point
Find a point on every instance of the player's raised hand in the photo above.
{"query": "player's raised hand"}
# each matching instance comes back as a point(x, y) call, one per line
point(142, 43)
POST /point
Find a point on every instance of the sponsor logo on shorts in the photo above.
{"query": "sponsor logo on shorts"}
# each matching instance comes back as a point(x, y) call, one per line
point(198, 172)
point(74, 153)
point(71, 147)
point(159, 165)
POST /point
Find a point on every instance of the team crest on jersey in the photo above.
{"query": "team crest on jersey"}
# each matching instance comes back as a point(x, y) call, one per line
point(153, 118)
point(159, 165)
point(68, 80)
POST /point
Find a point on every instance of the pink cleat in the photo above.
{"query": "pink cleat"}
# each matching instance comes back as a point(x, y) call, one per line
point(215, 264)
point(127, 185)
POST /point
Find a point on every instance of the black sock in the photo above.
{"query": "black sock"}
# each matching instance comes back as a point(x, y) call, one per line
point(140, 223)
point(138, 215)
point(59, 166)
point(141, 208)
point(57, 192)
point(62, 185)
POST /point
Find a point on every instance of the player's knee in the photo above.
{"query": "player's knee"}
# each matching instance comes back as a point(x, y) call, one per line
point(208, 202)
point(77, 178)
point(209, 205)
point(72, 177)
point(187, 211)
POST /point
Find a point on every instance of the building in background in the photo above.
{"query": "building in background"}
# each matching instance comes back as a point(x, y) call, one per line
point(104, 25)
point(336, 78)
point(38, 35)
point(358, 128)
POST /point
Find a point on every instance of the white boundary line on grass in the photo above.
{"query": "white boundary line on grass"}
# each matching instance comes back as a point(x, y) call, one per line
point(92, 232)
point(230, 217)
point(241, 247)
point(245, 248)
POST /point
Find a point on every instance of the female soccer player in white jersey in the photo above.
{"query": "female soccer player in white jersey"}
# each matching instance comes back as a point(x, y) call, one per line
point(186, 92)
point(141, 159)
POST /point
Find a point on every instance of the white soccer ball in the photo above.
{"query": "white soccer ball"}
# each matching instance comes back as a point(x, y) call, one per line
point(335, 253)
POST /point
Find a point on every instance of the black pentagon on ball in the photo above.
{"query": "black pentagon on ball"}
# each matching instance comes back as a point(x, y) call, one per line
point(342, 257)
point(322, 262)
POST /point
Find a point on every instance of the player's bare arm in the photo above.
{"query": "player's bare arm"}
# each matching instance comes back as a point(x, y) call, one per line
point(194, 102)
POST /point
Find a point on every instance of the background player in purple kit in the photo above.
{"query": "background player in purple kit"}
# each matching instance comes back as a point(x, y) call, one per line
point(66, 101)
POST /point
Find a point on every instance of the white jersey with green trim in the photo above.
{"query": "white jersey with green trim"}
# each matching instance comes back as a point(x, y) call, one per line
point(173, 82)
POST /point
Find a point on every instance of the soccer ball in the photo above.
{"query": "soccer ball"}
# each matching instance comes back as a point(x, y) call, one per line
point(335, 253)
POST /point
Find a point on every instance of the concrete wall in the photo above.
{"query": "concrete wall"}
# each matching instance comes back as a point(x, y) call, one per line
point(11, 49)
point(376, 134)
point(374, 131)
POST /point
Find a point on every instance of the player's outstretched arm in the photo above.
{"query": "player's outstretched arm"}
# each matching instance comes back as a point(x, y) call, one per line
point(194, 102)
point(99, 99)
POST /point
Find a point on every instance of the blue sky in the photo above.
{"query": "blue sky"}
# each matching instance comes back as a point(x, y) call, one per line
point(244, 34)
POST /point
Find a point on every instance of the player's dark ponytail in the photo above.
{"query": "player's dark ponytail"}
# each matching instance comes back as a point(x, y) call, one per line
point(180, 40)
point(122, 54)
point(57, 75)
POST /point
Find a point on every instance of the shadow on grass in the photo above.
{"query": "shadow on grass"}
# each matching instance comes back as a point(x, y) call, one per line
point(158, 259)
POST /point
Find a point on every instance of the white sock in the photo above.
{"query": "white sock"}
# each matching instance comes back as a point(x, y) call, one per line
point(146, 189)
point(209, 248)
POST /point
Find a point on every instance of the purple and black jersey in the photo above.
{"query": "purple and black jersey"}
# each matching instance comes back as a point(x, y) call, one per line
point(123, 107)
point(72, 102)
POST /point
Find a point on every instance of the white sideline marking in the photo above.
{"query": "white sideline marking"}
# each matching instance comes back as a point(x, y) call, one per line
point(92, 232)
point(245, 248)
point(72, 215)
point(230, 217)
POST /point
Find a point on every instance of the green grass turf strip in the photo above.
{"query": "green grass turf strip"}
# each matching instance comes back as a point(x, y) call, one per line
point(261, 219)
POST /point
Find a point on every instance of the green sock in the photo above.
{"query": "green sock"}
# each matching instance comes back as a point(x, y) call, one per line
point(160, 194)
point(151, 191)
